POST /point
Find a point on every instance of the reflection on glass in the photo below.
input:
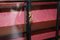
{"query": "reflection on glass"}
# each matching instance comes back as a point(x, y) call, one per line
point(43, 20)
point(44, 0)
point(31, 0)
point(12, 0)
point(12, 21)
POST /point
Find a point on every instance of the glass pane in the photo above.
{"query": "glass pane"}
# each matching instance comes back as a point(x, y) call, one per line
point(12, 21)
point(31, 0)
point(45, 0)
point(43, 18)
point(12, 0)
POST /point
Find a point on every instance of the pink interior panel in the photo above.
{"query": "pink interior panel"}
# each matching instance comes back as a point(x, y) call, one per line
point(41, 36)
point(12, 18)
point(43, 3)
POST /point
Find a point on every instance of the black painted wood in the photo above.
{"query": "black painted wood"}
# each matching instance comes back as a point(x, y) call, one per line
point(57, 21)
point(28, 24)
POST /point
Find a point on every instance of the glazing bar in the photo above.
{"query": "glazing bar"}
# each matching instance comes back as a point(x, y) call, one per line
point(57, 21)
point(28, 24)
